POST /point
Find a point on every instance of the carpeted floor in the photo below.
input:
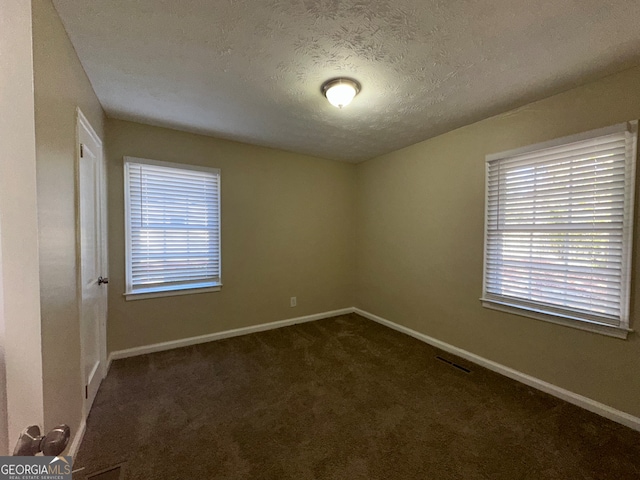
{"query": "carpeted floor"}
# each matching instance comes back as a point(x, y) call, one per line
point(344, 399)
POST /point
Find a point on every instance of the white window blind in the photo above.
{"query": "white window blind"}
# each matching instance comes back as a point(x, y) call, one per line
point(558, 227)
point(173, 226)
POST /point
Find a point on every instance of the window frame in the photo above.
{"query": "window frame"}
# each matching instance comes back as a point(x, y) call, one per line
point(164, 290)
point(548, 314)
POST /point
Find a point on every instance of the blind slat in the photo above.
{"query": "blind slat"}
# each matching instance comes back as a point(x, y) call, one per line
point(594, 145)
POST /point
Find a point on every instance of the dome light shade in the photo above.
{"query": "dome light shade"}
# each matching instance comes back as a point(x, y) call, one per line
point(340, 91)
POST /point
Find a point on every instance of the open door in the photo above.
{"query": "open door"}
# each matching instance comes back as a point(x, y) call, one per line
point(93, 281)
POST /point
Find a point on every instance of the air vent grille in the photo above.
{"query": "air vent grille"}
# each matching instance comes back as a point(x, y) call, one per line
point(453, 364)
point(114, 473)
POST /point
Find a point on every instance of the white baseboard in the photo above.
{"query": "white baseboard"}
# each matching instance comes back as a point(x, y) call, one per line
point(571, 397)
point(185, 342)
point(77, 438)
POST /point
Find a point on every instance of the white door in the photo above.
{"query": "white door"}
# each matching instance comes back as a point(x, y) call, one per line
point(93, 258)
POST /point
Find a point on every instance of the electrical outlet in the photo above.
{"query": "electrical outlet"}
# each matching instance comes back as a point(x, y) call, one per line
point(294, 301)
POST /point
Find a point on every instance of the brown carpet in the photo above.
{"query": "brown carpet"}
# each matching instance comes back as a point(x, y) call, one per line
point(342, 398)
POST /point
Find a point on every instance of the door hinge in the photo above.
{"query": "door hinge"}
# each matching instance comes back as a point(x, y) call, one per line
point(86, 391)
point(81, 151)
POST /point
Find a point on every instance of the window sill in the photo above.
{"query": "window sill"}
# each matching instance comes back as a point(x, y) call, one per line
point(164, 292)
point(589, 326)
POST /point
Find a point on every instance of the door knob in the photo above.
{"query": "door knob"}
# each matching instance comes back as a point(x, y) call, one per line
point(51, 444)
point(102, 280)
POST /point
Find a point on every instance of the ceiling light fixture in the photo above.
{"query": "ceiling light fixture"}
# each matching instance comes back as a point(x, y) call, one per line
point(340, 91)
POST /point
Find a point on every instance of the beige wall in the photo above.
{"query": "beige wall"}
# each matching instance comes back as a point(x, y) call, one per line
point(420, 246)
point(21, 402)
point(60, 86)
point(287, 230)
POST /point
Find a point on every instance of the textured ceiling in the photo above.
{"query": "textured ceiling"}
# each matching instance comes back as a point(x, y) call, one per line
point(251, 70)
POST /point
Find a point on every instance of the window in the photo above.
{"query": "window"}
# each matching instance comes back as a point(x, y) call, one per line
point(558, 230)
point(172, 228)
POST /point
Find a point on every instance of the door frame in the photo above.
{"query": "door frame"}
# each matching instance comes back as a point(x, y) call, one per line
point(20, 320)
point(82, 122)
